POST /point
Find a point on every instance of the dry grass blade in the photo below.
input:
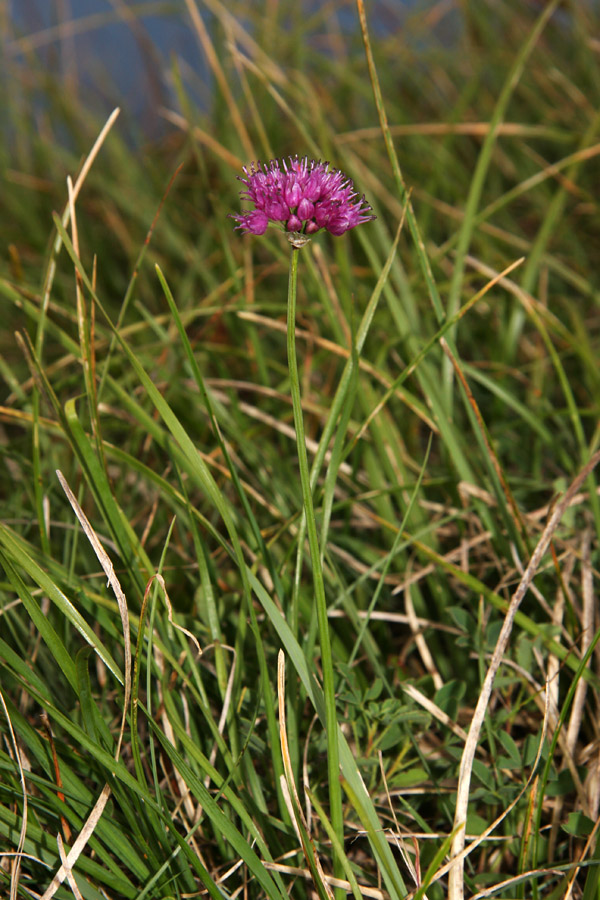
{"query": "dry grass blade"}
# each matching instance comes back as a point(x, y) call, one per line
point(308, 847)
point(334, 348)
point(366, 891)
point(587, 849)
point(108, 568)
point(513, 882)
point(419, 697)
point(68, 868)
point(14, 881)
point(518, 519)
point(442, 129)
point(421, 643)
point(414, 869)
point(203, 137)
point(587, 634)
point(413, 365)
point(532, 780)
point(158, 577)
point(59, 793)
point(73, 197)
point(79, 844)
point(94, 817)
point(69, 28)
point(211, 55)
point(456, 881)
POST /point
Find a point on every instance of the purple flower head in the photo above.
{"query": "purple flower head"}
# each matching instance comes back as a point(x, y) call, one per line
point(303, 194)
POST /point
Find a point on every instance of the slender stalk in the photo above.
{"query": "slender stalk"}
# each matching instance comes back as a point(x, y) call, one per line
point(333, 767)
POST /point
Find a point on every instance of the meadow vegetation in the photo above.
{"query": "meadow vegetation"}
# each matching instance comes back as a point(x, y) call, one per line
point(168, 724)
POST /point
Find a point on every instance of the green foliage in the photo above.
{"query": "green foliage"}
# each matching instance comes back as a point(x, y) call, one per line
point(448, 402)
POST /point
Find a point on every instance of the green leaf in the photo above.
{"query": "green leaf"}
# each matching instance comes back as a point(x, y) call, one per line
point(511, 749)
point(579, 825)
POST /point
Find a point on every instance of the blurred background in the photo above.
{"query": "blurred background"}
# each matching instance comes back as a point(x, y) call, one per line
point(111, 52)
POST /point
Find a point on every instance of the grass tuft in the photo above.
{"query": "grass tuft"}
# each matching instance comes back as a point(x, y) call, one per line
point(326, 627)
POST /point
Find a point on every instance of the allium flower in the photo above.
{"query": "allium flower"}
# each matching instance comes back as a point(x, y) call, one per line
point(302, 194)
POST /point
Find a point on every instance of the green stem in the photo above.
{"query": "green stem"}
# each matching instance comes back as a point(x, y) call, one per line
point(333, 767)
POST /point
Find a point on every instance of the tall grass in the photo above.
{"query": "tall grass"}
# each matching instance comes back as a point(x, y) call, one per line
point(172, 699)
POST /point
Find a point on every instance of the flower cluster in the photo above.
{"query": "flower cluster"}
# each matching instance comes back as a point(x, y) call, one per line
point(304, 195)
